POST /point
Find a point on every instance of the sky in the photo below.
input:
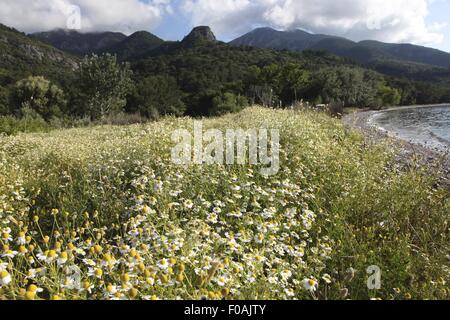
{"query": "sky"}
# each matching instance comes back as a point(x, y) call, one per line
point(422, 22)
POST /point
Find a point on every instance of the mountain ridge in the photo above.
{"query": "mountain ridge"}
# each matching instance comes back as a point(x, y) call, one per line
point(362, 51)
point(78, 43)
point(134, 46)
point(21, 54)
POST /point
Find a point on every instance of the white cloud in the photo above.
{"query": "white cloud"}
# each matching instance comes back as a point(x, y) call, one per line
point(384, 20)
point(99, 15)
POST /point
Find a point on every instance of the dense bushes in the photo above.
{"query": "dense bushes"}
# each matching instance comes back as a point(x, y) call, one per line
point(103, 85)
point(98, 92)
point(4, 101)
point(155, 96)
point(40, 95)
point(389, 96)
point(11, 125)
point(227, 103)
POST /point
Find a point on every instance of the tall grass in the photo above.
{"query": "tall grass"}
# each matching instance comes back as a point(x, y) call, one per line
point(112, 203)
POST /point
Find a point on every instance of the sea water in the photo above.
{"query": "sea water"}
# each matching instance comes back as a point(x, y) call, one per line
point(425, 125)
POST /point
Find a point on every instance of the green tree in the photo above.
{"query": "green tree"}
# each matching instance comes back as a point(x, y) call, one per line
point(103, 85)
point(352, 87)
point(293, 82)
point(227, 103)
point(389, 96)
point(4, 98)
point(156, 95)
point(40, 95)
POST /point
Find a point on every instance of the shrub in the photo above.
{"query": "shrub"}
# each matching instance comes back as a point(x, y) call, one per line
point(4, 97)
point(388, 96)
point(227, 103)
point(11, 125)
point(40, 95)
point(122, 118)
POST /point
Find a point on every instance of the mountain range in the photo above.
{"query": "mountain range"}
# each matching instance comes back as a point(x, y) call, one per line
point(364, 51)
point(133, 47)
point(142, 42)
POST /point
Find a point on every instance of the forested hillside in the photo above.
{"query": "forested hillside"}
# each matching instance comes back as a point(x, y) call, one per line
point(363, 51)
point(147, 77)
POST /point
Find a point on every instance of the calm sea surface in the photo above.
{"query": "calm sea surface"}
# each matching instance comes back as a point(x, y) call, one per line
point(429, 126)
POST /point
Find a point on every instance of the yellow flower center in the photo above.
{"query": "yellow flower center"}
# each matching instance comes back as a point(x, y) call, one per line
point(180, 278)
point(125, 277)
point(29, 295)
point(51, 254)
point(164, 279)
point(98, 272)
point(32, 288)
point(133, 293)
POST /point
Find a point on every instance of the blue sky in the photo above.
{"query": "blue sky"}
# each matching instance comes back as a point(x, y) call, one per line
point(440, 12)
point(176, 26)
point(423, 22)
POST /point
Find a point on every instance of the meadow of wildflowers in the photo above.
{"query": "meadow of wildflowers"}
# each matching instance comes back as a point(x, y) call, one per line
point(104, 213)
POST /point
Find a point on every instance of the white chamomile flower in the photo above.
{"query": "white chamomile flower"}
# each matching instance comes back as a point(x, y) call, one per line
point(221, 281)
point(21, 239)
point(9, 254)
point(286, 274)
point(95, 272)
point(327, 278)
point(310, 284)
point(5, 278)
point(289, 292)
point(62, 259)
point(163, 264)
point(188, 204)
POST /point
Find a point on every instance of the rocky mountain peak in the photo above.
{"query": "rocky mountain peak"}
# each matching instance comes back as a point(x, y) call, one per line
point(199, 35)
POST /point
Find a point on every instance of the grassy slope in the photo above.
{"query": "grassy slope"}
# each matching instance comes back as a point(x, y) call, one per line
point(353, 210)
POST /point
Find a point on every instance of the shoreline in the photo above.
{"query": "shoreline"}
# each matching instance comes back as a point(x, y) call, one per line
point(414, 106)
point(410, 153)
